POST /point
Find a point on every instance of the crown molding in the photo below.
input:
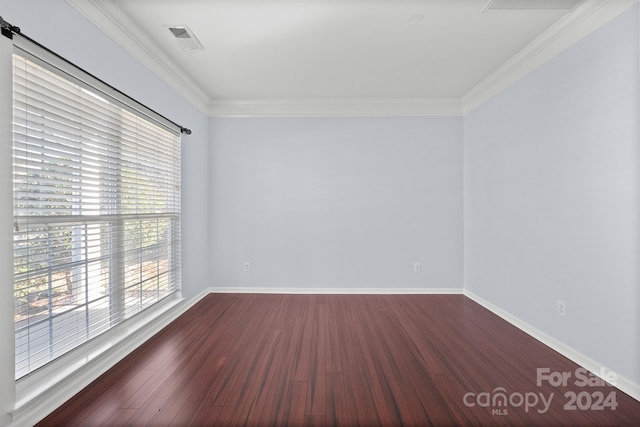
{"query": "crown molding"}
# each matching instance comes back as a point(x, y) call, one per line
point(336, 107)
point(113, 22)
point(583, 20)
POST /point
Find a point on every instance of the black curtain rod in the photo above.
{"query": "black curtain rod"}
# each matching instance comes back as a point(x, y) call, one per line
point(9, 30)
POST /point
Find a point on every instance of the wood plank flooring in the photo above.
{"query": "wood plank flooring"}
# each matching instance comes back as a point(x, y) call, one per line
point(342, 360)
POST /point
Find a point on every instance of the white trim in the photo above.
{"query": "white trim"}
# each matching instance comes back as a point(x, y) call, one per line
point(333, 291)
point(7, 328)
point(117, 25)
point(336, 107)
point(38, 401)
point(583, 20)
point(623, 384)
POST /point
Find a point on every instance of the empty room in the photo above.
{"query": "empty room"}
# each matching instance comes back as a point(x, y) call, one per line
point(320, 212)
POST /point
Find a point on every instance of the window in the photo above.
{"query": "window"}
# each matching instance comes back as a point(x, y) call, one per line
point(96, 186)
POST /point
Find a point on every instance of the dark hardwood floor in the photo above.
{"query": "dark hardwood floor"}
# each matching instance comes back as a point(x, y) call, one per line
point(348, 360)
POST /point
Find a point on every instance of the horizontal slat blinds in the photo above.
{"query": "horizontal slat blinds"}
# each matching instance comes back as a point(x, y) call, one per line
point(96, 210)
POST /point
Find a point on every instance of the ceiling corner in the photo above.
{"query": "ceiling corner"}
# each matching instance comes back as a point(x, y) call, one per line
point(583, 20)
point(108, 18)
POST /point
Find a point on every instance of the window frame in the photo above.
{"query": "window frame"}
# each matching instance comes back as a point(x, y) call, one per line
point(55, 370)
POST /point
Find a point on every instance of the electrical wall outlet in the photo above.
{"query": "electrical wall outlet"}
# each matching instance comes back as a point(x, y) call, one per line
point(562, 308)
point(247, 266)
point(417, 268)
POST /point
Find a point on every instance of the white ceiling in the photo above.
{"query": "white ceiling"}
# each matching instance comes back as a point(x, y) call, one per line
point(261, 54)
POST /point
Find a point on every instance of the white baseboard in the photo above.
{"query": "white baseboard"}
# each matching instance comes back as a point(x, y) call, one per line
point(622, 383)
point(333, 291)
point(36, 404)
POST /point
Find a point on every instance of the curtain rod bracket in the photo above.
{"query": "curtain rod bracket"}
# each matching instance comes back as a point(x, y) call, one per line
point(7, 29)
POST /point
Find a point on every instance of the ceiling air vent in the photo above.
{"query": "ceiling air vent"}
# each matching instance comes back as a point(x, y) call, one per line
point(524, 5)
point(185, 38)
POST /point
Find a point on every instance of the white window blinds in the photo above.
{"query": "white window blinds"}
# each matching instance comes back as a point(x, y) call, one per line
point(96, 210)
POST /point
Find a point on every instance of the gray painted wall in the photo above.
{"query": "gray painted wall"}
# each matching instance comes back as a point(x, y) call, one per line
point(550, 191)
point(551, 197)
point(337, 202)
